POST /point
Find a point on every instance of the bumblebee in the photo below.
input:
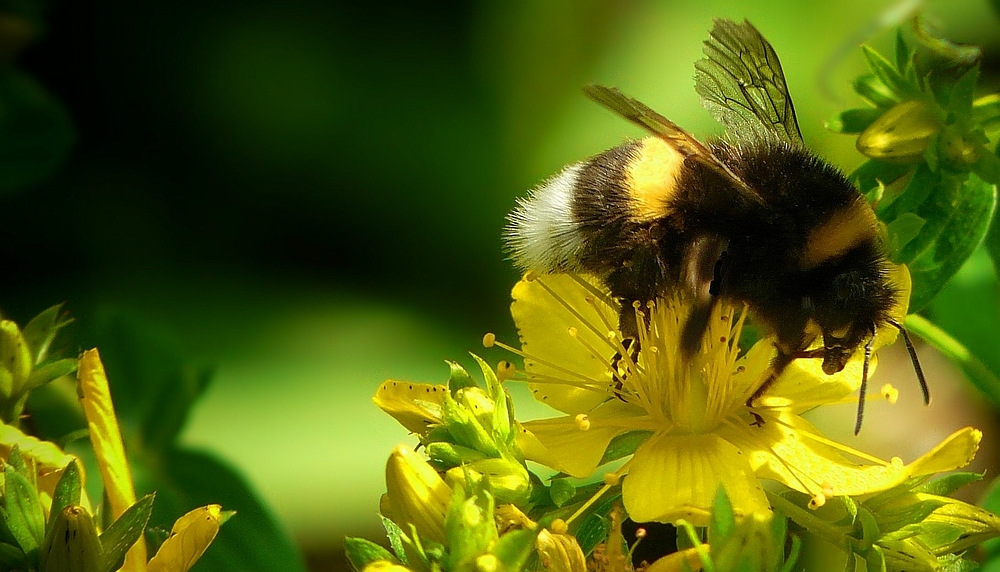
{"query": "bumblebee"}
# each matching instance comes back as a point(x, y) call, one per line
point(754, 217)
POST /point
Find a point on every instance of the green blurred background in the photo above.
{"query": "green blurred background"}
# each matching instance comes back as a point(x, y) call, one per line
point(310, 195)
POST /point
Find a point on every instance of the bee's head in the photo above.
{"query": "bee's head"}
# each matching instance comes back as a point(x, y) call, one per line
point(839, 349)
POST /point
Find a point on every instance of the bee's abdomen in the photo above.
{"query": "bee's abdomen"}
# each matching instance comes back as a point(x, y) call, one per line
point(580, 218)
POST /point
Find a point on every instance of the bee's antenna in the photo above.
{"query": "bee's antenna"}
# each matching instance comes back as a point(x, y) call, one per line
point(864, 384)
point(914, 361)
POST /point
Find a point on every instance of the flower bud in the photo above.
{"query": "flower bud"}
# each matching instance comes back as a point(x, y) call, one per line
point(72, 544)
point(901, 134)
point(509, 480)
point(15, 361)
point(416, 493)
point(560, 552)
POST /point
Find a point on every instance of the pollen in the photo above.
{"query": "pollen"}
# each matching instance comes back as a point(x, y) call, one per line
point(582, 421)
point(489, 339)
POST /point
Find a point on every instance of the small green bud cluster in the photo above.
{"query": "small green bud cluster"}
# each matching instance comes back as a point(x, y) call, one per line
point(69, 540)
point(25, 361)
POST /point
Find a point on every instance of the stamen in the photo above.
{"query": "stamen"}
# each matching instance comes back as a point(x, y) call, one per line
point(612, 479)
point(839, 446)
point(528, 357)
point(582, 421)
point(571, 309)
point(559, 526)
point(489, 339)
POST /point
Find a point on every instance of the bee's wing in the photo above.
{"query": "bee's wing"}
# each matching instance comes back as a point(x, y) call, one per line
point(640, 114)
point(741, 83)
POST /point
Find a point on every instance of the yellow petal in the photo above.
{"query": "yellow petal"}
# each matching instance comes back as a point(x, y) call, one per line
point(674, 477)
point(106, 437)
point(790, 450)
point(544, 310)
point(561, 444)
point(189, 538)
point(417, 406)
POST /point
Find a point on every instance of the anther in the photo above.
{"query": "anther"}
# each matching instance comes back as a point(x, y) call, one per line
point(817, 501)
point(890, 393)
point(489, 339)
point(582, 421)
point(559, 526)
point(572, 332)
point(611, 479)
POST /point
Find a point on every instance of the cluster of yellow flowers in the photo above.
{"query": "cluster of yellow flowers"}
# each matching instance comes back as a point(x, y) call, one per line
point(661, 435)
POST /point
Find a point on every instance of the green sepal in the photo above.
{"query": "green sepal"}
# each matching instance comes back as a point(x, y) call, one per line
point(118, 538)
point(23, 513)
point(67, 491)
point(723, 520)
point(874, 560)
point(397, 539)
point(503, 415)
point(513, 549)
point(72, 544)
point(451, 455)
point(955, 563)
point(869, 527)
point(466, 429)
point(853, 121)
point(561, 491)
point(987, 167)
point(469, 525)
point(458, 377)
point(361, 552)
point(889, 75)
point(874, 91)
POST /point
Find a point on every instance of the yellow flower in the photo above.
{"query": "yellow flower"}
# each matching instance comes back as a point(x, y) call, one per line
point(700, 432)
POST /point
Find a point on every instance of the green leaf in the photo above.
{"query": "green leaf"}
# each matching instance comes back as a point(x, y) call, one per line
point(254, 541)
point(958, 216)
point(916, 191)
point(904, 55)
point(42, 330)
point(874, 560)
point(987, 167)
point(23, 513)
point(124, 532)
point(901, 231)
point(67, 491)
point(11, 557)
point(51, 371)
point(561, 491)
point(980, 374)
point(361, 552)
point(948, 484)
point(872, 172)
point(624, 445)
point(36, 134)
